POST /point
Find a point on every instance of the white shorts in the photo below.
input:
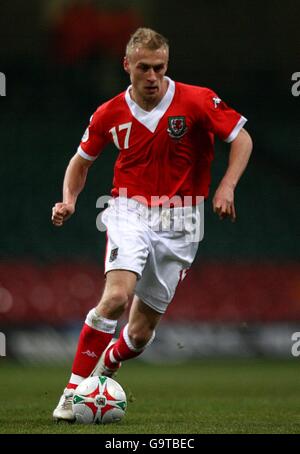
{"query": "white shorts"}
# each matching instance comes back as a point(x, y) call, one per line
point(159, 245)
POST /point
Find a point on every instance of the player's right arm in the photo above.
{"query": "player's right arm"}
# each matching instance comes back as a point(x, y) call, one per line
point(74, 181)
point(92, 143)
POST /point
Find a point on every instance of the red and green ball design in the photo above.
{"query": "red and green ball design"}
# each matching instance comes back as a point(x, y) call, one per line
point(99, 400)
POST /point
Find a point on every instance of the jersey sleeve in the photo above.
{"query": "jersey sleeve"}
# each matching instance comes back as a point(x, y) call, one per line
point(221, 119)
point(94, 138)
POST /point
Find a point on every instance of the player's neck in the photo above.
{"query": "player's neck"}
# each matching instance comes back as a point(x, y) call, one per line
point(147, 104)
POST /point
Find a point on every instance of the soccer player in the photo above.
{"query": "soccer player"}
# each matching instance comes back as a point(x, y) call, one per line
point(164, 131)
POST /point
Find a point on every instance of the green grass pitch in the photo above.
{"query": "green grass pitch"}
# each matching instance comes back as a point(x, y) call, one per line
point(209, 396)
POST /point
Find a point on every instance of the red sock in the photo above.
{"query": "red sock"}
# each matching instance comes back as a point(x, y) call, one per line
point(95, 335)
point(123, 350)
point(90, 346)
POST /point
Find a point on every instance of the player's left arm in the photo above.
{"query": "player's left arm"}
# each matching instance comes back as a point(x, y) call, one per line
point(240, 151)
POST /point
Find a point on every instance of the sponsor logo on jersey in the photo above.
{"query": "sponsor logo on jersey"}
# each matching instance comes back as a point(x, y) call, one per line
point(85, 136)
point(113, 254)
point(216, 101)
point(177, 127)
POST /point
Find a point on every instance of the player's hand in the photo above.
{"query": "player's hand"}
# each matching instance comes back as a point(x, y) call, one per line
point(61, 213)
point(223, 202)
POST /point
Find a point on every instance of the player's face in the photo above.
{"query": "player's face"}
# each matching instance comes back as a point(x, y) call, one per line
point(147, 69)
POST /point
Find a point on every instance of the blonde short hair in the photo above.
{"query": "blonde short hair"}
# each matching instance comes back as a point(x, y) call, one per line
point(147, 38)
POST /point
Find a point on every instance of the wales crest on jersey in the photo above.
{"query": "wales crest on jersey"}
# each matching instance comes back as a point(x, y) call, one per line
point(177, 127)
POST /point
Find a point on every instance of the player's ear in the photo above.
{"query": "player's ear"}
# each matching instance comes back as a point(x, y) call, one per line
point(126, 64)
point(167, 63)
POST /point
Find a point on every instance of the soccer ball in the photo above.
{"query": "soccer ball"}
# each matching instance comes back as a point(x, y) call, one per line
point(99, 400)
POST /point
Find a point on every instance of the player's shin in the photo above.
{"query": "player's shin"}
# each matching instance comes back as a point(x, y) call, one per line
point(95, 335)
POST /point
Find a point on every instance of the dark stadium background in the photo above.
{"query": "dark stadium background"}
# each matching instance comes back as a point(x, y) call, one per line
point(62, 59)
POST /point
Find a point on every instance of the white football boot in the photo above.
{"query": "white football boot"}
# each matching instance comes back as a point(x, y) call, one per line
point(101, 368)
point(64, 411)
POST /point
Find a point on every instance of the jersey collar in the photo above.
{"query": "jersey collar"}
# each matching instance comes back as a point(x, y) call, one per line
point(151, 119)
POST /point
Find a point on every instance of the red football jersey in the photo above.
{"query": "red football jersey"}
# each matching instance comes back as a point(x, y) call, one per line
point(167, 151)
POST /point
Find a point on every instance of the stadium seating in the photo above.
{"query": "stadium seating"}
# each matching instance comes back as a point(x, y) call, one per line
point(216, 292)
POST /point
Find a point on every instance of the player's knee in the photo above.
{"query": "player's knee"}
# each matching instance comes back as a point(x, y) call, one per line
point(113, 303)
